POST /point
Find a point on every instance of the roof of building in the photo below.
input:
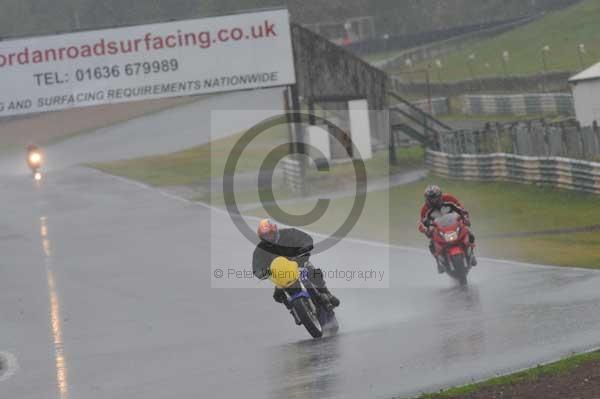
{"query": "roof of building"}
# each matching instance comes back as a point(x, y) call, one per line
point(591, 73)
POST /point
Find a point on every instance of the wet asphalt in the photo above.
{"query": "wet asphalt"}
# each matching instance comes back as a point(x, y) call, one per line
point(211, 117)
point(108, 290)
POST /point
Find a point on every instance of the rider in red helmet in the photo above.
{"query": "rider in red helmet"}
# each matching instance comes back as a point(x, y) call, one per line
point(436, 204)
point(291, 243)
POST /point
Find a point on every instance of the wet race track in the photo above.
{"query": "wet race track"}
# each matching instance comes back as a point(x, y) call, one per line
point(105, 292)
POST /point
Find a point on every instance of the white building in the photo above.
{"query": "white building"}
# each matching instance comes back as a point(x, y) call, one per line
point(586, 95)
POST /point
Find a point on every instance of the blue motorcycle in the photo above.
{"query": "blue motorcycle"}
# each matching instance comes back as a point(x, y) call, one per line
point(303, 299)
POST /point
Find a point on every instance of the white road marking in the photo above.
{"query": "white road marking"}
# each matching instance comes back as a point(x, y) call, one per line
point(348, 239)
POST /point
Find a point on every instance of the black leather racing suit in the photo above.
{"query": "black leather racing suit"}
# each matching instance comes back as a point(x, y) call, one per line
point(291, 244)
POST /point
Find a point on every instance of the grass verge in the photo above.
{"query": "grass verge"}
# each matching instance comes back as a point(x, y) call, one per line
point(382, 55)
point(511, 385)
point(200, 164)
point(196, 165)
point(496, 208)
point(392, 215)
point(562, 31)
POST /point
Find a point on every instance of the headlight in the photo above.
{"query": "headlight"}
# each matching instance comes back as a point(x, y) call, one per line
point(35, 158)
point(453, 236)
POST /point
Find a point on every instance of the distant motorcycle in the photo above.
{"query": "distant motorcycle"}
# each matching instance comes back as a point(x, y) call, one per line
point(34, 160)
point(452, 247)
point(306, 306)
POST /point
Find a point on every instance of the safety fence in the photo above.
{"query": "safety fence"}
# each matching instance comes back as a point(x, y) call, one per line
point(439, 106)
point(521, 104)
point(533, 138)
point(556, 172)
point(415, 83)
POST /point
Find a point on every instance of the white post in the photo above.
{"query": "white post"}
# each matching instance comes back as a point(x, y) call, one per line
point(319, 139)
point(360, 128)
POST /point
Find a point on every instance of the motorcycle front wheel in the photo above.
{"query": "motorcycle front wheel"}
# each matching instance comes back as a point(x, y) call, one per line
point(308, 316)
point(459, 264)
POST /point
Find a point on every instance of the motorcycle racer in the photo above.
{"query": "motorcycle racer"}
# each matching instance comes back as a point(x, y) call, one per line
point(437, 204)
point(290, 243)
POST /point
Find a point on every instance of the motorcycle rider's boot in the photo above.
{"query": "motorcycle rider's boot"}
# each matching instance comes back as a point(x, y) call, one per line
point(472, 251)
point(279, 297)
point(473, 260)
point(335, 302)
point(329, 298)
point(440, 268)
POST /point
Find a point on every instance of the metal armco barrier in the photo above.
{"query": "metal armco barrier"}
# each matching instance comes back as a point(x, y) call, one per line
point(519, 104)
point(556, 172)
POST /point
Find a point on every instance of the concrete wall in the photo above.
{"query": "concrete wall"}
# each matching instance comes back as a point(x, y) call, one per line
point(587, 102)
point(326, 70)
point(318, 138)
point(359, 126)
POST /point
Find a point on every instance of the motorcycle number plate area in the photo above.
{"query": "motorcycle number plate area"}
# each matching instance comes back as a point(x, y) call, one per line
point(455, 250)
point(301, 294)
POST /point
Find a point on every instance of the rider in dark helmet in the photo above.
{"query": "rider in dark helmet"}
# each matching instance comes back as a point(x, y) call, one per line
point(436, 204)
point(290, 243)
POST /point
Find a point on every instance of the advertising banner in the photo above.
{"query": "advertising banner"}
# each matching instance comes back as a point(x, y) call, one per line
point(209, 55)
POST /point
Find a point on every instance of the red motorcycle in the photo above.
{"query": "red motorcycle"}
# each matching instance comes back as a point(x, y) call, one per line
point(452, 249)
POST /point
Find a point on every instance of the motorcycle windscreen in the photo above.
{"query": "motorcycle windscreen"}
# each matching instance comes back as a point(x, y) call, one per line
point(447, 220)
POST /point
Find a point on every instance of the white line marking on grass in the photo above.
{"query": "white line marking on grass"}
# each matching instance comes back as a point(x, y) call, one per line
point(348, 239)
